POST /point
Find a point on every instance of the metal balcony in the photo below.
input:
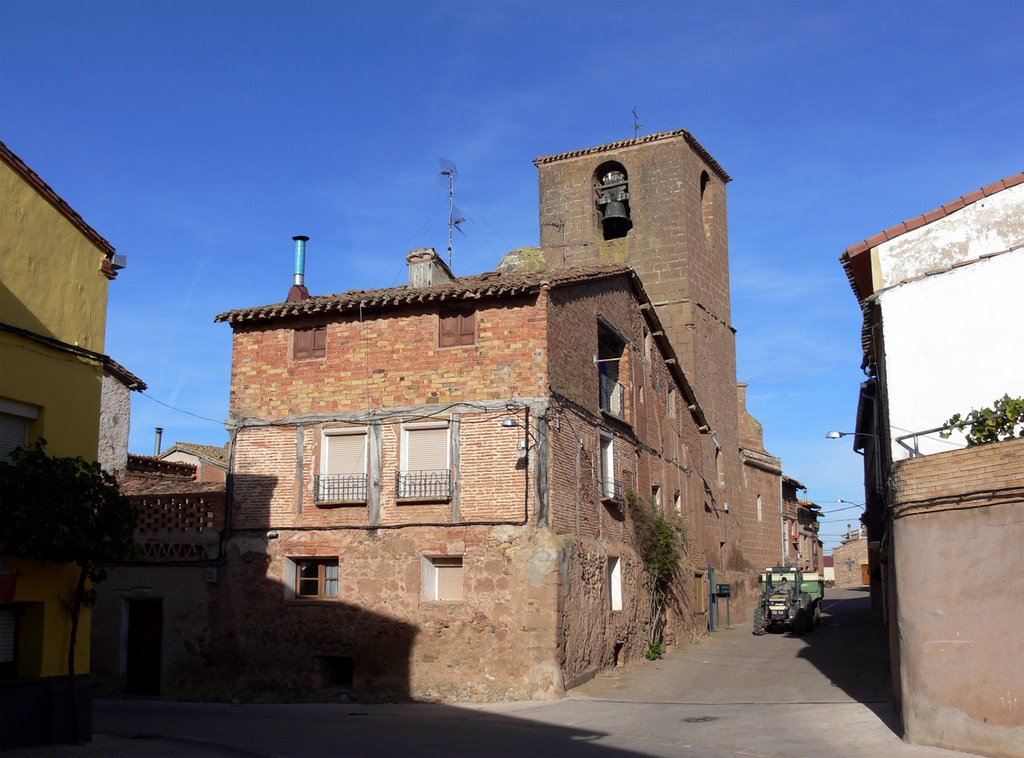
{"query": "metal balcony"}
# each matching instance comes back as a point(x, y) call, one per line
point(340, 488)
point(612, 396)
point(424, 485)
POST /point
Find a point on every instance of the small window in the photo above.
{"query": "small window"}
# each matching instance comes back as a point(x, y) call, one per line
point(615, 582)
point(442, 579)
point(672, 402)
point(647, 344)
point(758, 507)
point(611, 349)
point(310, 343)
point(457, 329)
point(314, 579)
point(656, 496)
point(610, 487)
point(677, 502)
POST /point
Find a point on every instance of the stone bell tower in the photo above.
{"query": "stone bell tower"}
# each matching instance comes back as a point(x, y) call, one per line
point(657, 203)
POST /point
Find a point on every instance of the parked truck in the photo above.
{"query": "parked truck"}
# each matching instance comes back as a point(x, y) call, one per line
point(790, 599)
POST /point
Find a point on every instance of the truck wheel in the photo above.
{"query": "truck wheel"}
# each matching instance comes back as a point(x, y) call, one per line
point(817, 614)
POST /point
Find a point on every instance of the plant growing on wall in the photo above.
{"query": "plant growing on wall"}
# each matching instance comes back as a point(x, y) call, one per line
point(993, 424)
point(65, 511)
point(661, 542)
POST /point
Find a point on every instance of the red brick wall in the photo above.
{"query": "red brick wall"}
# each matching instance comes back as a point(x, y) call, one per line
point(389, 360)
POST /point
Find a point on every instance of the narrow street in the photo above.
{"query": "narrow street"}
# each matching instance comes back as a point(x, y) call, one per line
point(732, 695)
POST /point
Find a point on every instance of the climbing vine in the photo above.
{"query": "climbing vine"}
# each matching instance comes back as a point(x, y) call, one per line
point(993, 424)
point(661, 542)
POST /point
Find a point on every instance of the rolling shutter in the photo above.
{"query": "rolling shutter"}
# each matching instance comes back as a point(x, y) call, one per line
point(13, 433)
point(346, 454)
point(426, 449)
point(449, 578)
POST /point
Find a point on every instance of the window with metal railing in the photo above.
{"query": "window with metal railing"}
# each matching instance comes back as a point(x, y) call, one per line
point(610, 351)
point(340, 488)
point(424, 485)
point(612, 394)
point(343, 467)
point(425, 471)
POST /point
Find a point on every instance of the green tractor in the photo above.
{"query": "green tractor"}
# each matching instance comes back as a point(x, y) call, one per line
point(789, 598)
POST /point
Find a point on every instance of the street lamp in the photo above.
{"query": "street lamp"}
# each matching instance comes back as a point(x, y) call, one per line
point(850, 502)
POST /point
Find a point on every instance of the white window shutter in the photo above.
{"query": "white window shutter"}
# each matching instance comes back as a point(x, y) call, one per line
point(449, 578)
point(427, 449)
point(346, 454)
point(13, 434)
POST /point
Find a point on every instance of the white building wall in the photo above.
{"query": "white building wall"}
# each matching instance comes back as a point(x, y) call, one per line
point(952, 343)
point(991, 225)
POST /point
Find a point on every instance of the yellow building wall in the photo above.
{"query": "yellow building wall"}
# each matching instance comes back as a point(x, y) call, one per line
point(45, 628)
point(50, 279)
point(50, 284)
point(64, 387)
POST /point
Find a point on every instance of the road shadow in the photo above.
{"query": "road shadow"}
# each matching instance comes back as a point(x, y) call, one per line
point(850, 646)
point(298, 730)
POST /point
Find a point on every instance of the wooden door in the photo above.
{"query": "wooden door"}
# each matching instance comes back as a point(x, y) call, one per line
point(145, 629)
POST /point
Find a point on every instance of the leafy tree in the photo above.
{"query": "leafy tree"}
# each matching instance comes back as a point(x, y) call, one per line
point(65, 511)
point(993, 424)
point(661, 542)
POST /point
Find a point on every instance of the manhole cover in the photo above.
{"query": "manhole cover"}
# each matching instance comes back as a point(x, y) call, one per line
point(700, 719)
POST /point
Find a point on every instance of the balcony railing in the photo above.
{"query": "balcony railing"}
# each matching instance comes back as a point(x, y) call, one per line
point(613, 489)
point(424, 485)
point(340, 488)
point(612, 395)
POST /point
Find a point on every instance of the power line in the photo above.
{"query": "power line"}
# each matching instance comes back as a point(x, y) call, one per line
point(182, 410)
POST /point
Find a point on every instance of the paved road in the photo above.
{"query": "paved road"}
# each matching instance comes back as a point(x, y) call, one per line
point(732, 695)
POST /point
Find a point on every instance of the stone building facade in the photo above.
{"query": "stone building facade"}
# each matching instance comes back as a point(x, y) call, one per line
point(850, 561)
point(657, 203)
point(433, 493)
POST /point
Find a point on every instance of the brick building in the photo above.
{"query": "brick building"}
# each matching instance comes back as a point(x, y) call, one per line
point(454, 458)
point(153, 616)
point(802, 547)
point(657, 203)
point(431, 484)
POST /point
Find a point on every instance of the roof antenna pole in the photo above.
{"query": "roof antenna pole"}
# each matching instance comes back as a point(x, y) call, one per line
point(637, 126)
point(449, 172)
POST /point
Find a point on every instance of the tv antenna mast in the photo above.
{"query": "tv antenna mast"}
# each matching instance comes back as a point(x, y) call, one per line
point(455, 217)
point(637, 126)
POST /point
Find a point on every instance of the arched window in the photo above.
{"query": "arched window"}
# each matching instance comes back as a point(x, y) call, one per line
point(705, 201)
point(611, 190)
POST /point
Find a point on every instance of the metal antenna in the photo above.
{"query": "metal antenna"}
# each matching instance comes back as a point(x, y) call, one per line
point(637, 126)
point(455, 217)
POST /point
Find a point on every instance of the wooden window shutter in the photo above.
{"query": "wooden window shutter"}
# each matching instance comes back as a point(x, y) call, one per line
point(426, 449)
point(449, 330)
point(303, 343)
point(467, 328)
point(449, 578)
point(318, 342)
point(346, 454)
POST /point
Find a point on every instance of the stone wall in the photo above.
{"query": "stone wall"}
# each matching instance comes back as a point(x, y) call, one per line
point(959, 571)
point(848, 560)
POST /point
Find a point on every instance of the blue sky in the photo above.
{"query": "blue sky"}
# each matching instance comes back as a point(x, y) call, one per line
point(198, 137)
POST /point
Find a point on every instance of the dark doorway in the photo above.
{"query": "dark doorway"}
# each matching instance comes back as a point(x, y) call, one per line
point(145, 627)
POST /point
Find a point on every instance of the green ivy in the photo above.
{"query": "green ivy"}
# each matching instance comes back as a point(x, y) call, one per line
point(993, 424)
point(661, 543)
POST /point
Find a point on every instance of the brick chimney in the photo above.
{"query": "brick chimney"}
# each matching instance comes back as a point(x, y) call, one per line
point(426, 268)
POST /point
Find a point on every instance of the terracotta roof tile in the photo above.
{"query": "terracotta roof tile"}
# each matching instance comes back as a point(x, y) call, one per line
point(698, 148)
point(933, 215)
point(210, 452)
point(54, 199)
point(493, 284)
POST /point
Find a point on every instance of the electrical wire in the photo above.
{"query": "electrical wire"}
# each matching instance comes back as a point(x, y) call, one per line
point(222, 422)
